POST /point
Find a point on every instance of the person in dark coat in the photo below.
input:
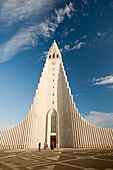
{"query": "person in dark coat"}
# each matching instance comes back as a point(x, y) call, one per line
point(39, 146)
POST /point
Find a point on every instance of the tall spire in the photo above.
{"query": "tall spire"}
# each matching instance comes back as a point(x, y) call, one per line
point(54, 51)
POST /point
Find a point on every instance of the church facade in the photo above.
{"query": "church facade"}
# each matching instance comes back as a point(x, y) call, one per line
point(53, 115)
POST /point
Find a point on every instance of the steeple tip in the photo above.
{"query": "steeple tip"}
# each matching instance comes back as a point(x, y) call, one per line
point(54, 50)
point(54, 46)
point(54, 42)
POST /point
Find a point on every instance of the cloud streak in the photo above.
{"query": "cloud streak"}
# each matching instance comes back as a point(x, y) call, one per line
point(103, 80)
point(77, 46)
point(5, 127)
point(77, 95)
point(16, 11)
point(17, 43)
point(101, 119)
point(68, 10)
point(27, 36)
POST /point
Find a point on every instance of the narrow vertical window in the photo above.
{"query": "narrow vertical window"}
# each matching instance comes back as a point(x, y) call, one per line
point(53, 123)
point(54, 55)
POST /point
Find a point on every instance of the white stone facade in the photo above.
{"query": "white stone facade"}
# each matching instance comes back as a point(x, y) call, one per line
point(53, 115)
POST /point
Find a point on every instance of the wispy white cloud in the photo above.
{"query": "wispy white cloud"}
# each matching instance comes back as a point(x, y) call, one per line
point(46, 28)
point(14, 11)
point(17, 43)
point(67, 31)
point(72, 30)
point(85, 2)
point(84, 10)
point(103, 80)
point(85, 36)
point(95, 1)
point(77, 95)
point(110, 87)
point(101, 119)
point(8, 126)
point(79, 45)
point(43, 56)
point(76, 41)
point(70, 68)
point(101, 34)
point(49, 25)
point(60, 13)
point(67, 47)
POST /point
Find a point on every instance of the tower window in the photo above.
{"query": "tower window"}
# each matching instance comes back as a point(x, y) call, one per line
point(53, 68)
point(57, 56)
point(53, 80)
point(53, 102)
point(53, 87)
point(53, 94)
point(53, 74)
point(53, 123)
point(49, 56)
point(54, 55)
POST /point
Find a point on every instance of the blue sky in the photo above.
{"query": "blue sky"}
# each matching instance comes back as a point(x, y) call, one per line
point(83, 30)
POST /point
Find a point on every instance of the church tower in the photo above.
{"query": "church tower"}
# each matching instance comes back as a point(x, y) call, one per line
point(53, 105)
point(54, 116)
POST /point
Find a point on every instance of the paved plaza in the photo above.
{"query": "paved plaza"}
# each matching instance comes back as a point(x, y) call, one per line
point(57, 159)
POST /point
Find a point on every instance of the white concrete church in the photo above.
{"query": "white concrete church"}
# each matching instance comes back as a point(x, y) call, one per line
point(54, 116)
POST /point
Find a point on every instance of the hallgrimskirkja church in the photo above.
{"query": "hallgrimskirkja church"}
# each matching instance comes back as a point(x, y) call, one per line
point(53, 115)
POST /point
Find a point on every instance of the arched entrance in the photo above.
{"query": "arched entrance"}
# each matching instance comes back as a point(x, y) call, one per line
point(52, 127)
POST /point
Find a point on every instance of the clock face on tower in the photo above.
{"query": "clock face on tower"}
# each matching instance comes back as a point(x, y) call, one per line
point(53, 63)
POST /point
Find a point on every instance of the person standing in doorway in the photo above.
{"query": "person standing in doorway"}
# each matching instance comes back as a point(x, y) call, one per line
point(52, 144)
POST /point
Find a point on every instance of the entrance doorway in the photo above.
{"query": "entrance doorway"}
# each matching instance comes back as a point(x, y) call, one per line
point(52, 132)
point(53, 138)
